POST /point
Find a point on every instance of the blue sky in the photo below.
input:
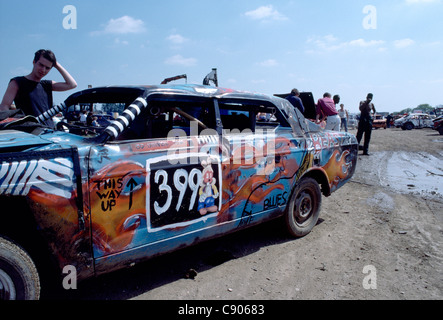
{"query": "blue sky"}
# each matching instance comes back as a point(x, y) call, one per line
point(393, 49)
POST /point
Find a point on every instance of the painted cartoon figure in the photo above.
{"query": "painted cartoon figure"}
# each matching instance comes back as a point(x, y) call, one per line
point(208, 191)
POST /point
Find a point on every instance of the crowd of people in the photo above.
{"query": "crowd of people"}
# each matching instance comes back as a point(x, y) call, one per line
point(336, 118)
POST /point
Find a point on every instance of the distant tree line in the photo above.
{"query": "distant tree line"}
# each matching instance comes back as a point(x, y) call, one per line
point(425, 108)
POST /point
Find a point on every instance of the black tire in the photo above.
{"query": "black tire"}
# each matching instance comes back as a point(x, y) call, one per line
point(440, 130)
point(304, 208)
point(19, 279)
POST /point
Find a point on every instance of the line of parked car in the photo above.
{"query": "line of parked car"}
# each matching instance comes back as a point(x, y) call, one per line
point(415, 121)
point(405, 122)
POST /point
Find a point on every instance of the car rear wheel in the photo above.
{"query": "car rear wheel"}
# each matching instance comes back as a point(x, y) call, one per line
point(304, 208)
point(19, 279)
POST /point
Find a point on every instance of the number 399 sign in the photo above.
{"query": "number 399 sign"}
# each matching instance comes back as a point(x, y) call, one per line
point(180, 195)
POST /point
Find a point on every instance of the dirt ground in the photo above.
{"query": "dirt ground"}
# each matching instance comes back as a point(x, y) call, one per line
point(376, 240)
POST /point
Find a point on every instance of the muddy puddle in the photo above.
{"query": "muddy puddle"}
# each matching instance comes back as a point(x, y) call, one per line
point(417, 173)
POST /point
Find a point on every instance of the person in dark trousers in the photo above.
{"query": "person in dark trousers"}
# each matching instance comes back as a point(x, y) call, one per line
point(365, 123)
point(33, 95)
point(344, 115)
point(388, 120)
point(294, 99)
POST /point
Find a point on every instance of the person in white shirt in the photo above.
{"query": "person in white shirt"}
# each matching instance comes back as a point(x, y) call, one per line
point(344, 116)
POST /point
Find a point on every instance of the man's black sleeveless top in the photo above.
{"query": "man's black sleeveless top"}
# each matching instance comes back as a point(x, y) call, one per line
point(34, 98)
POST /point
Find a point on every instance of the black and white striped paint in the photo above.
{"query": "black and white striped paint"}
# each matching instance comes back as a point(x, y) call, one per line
point(55, 176)
point(124, 120)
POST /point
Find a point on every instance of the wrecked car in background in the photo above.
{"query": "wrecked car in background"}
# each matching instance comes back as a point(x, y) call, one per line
point(179, 165)
point(414, 121)
point(379, 122)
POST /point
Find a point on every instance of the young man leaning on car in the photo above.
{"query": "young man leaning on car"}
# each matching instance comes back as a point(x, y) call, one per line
point(33, 95)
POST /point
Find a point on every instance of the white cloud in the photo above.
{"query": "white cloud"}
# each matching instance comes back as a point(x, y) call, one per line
point(331, 43)
point(268, 63)
point(364, 43)
point(403, 43)
point(325, 43)
point(176, 39)
point(181, 61)
point(265, 13)
point(117, 41)
point(20, 71)
point(122, 25)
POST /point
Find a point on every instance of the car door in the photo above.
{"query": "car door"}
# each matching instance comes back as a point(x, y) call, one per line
point(427, 121)
point(150, 196)
point(262, 159)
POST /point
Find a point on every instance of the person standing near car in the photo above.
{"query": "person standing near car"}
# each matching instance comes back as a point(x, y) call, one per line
point(33, 95)
point(365, 123)
point(294, 99)
point(84, 117)
point(389, 120)
point(343, 113)
point(326, 110)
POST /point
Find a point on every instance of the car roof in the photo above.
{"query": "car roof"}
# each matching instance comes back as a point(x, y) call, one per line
point(179, 90)
point(132, 93)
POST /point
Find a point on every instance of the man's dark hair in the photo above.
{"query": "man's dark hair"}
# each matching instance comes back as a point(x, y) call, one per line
point(336, 98)
point(295, 92)
point(47, 54)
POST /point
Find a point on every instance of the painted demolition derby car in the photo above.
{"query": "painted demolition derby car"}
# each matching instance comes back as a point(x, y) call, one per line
point(180, 164)
point(414, 121)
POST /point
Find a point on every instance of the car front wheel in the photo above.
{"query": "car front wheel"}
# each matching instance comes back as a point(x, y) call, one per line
point(19, 279)
point(304, 208)
point(409, 126)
